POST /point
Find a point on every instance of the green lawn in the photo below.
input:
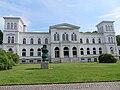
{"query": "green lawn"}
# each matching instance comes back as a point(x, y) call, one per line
point(60, 72)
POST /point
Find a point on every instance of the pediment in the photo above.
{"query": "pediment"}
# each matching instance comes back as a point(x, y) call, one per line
point(64, 26)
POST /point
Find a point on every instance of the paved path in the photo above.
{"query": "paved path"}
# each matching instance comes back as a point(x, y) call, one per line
point(74, 86)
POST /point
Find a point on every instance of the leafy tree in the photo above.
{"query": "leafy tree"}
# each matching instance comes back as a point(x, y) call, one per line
point(1, 37)
point(107, 58)
point(118, 39)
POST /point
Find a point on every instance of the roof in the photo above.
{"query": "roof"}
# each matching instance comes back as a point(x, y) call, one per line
point(105, 22)
point(14, 18)
point(64, 25)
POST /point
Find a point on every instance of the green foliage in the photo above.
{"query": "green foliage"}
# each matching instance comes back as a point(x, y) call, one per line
point(107, 58)
point(118, 39)
point(1, 37)
point(1, 66)
point(7, 59)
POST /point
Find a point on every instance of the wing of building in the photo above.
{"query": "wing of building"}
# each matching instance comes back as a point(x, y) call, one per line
point(64, 41)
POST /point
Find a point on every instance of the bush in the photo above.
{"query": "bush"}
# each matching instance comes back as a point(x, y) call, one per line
point(1, 66)
point(7, 60)
point(107, 58)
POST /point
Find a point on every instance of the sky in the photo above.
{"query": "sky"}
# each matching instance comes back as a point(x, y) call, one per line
point(38, 15)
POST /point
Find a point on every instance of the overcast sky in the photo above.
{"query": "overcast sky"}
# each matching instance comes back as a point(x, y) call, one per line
point(40, 14)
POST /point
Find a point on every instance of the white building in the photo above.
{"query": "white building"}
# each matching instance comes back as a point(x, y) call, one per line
point(64, 41)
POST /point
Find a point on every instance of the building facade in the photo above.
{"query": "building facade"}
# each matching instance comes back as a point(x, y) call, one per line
point(64, 41)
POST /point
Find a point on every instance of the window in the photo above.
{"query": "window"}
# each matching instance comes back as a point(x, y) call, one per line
point(81, 41)
point(11, 25)
point(56, 37)
point(119, 52)
point(24, 41)
point(93, 40)
point(100, 50)
point(9, 39)
point(95, 59)
point(46, 41)
point(82, 59)
point(10, 49)
point(12, 40)
point(65, 37)
point(111, 50)
point(73, 37)
point(87, 40)
point(66, 52)
point(15, 25)
point(39, 52)
point(8, 25)
point(31, 41)
point(24, 52)
point(109, 39)
point(106, 27)
point(56, 52)
point(31, 52)
point(89, 59)
point(88, 51)
point(82, 51)
point(39, 41)
point(99, 40)
point(74, 49)
point(94, 50)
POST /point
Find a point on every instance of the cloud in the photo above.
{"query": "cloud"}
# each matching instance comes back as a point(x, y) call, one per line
point(113, 14)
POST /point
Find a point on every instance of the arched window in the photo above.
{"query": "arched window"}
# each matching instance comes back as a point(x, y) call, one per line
point(100, 50)
point(99, 40)
point(46, 41)
point(111, 50)
point(93, 40)
point(12, 40)
point(15, 25)
point(88, 51)
point(39, 41)
point(11, 25)
point(82, 51)
point(87, 40)
point(56, 37)
point(10, 49)
point(111, 39)
point(24, 41)
point(24, 52)
point(57, 52)
point(31, 52)
point(8, 25)
point(31, 41)
point(66, 52)
point(94, 50)
point(73, 37)
point(106, 27)
point(81, 41)
point(9, 39)
point(39, 52)
point(65, 37)
point(74, 49)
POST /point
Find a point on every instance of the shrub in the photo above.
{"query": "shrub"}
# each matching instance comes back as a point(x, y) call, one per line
point(107, 58)
point(1, 66)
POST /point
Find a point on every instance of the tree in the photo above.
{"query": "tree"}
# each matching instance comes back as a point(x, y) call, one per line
point(118, 39)
point(107, 58)
point(1, 37)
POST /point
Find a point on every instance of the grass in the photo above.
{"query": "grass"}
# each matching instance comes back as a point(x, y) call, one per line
point(60, 72)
